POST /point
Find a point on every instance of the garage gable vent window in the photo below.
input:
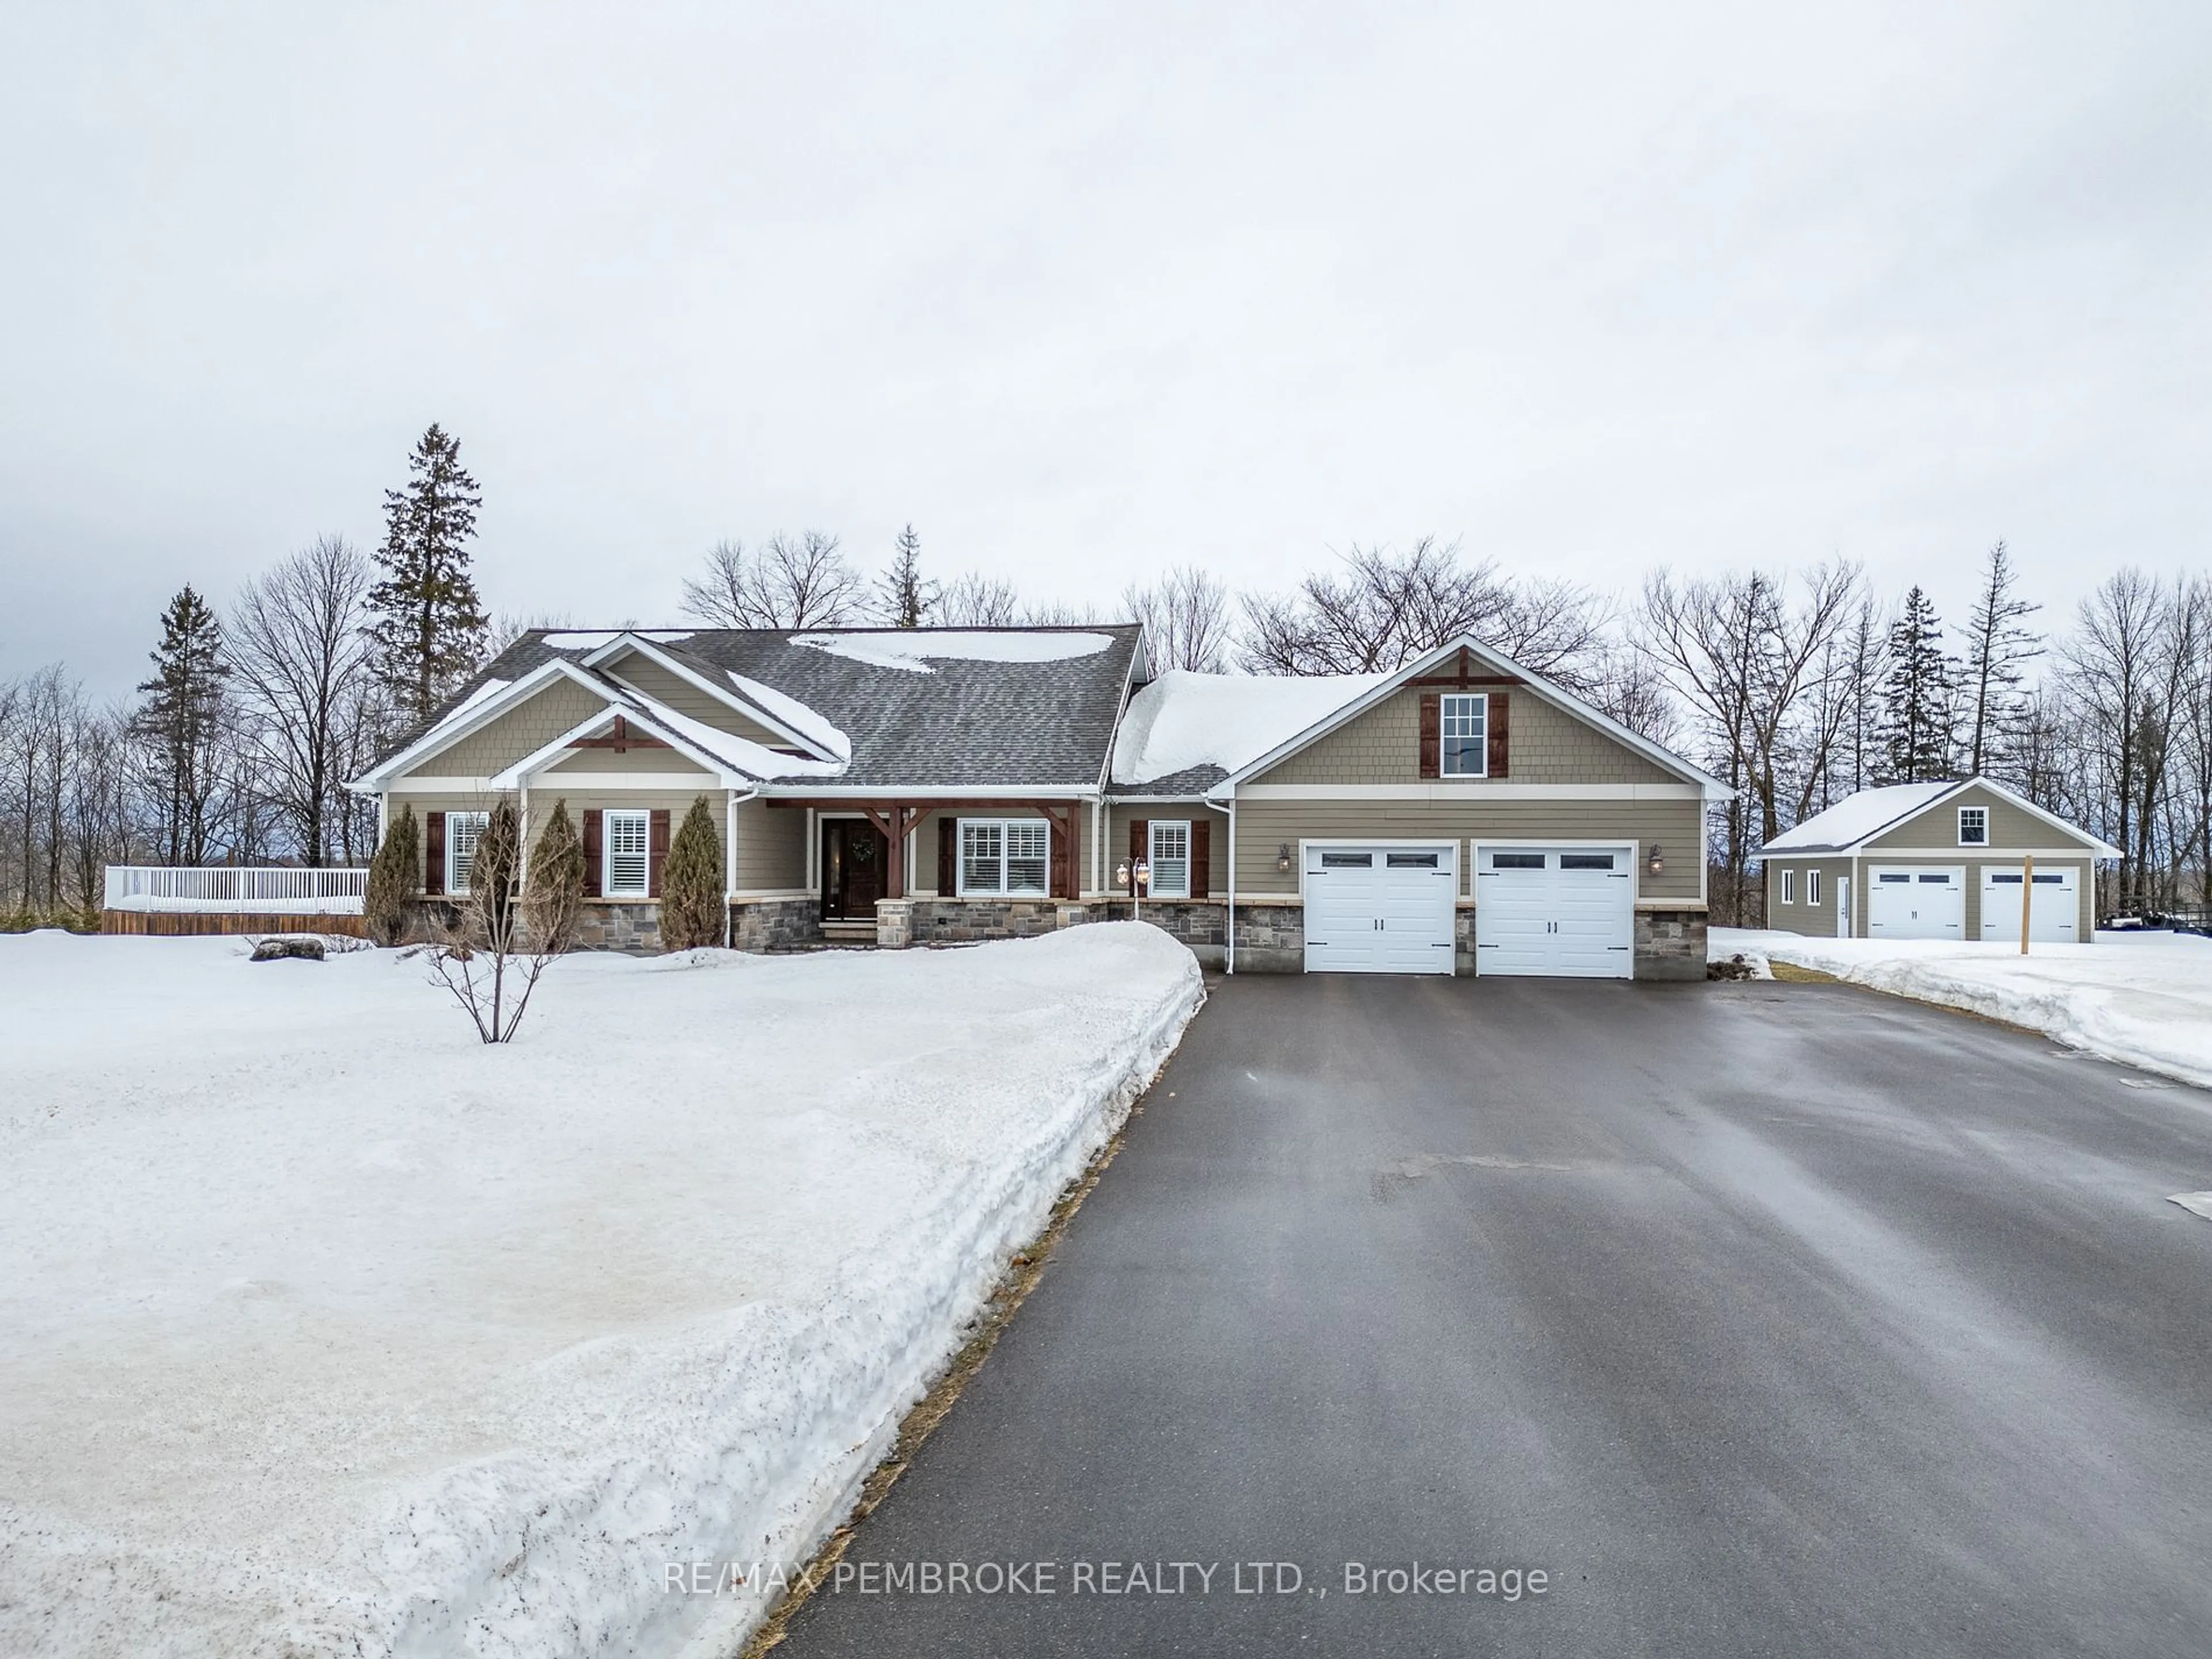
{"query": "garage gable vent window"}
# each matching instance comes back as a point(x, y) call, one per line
point(1169, 858)
point(1465, 736)
point(627, 843)
point(1973, 826)
point(463, 830)
point(1004, 856)
point(1790, 887)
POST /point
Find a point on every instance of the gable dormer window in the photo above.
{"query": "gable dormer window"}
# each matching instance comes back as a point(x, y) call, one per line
point(1973, 826)
point(1464, 733)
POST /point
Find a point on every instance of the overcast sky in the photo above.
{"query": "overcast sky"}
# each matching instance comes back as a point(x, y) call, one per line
point(1083, 293)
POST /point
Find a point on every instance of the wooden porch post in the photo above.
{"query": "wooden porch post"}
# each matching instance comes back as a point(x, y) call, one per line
point(898, 852)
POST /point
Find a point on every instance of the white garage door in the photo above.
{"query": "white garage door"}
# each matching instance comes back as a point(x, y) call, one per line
point(1380, 909)
point(1565, 912)
point(2056, 915)
point(1916, 904)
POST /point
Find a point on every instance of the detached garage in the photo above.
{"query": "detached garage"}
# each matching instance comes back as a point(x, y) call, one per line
point(1960, 860)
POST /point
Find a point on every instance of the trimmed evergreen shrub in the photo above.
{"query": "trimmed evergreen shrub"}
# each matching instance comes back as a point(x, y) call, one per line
point(693, 911)
point(555, 897)
point(394, 876)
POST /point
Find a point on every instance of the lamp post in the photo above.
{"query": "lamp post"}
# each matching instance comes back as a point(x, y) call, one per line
point(1134, 877)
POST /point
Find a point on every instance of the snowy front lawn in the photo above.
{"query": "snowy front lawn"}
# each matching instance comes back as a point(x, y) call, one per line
point(2142, 999)
point(325, 1329)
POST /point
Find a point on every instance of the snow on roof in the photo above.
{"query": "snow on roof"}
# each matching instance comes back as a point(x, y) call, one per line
point(914, 648)
point(739, 754)
point(587, 639)
point(1184, 720)
point(1853, 819)
point(794, 714)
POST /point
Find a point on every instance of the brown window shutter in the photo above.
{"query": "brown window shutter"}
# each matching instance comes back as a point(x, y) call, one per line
point(595, 851)
point(1201, 852)
point(1140, 832)
point(656, 851)
point(1433, 735)
point(1497, 740)
point(434, 852)
point(948, 856)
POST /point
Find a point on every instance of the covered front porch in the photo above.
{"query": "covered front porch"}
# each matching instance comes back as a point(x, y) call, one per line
point(895, 870)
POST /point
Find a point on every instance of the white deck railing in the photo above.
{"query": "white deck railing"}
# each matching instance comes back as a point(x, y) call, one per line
point(264, 891)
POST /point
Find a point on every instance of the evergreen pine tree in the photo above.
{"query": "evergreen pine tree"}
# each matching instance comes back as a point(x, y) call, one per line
point(1998, 649)
point(428, 623)
point(1919, 692)
point(693, 912)
point(903, 597)
point(392, 881)
point(181, 722)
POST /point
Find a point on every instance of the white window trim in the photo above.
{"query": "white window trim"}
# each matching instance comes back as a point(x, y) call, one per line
point(1152, 827)
point(455, 887)
point(1788, 885)
point(1984, 841)
point(960, 864)
point(607, 889)
point(1482, 750)
point(1812, 887)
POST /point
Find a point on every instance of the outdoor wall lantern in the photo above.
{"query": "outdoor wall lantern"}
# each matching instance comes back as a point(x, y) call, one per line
point(1658, 864)
point(1283, 858)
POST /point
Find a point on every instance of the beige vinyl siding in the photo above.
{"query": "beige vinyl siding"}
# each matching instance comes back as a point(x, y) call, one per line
point(676, 803)
point(649, 758)
point(1678, 826)
point(1545, 745)
point(1814, 920)
point(1217, 849)
point(771, 847)
point(1937, 827)
point(561, 706)
point(686, 698)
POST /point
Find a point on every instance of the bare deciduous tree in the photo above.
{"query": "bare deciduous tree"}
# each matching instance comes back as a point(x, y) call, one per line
point(1383, 608)
point(1745, 659)
point(788, 581)
point(302, 658)
point(975, 600)
point(1186, 619)
point(503, 933)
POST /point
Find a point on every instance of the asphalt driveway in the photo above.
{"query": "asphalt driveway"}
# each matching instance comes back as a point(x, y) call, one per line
point(1761, 1318)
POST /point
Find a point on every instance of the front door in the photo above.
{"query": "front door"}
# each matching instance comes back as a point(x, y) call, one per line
point(854, 855)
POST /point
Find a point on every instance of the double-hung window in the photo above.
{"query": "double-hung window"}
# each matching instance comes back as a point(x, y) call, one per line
point(463, 831)
point(1973, 826)
point(1005, 856)
point(1169, 858)
point(628, 843)
point(1465, 730)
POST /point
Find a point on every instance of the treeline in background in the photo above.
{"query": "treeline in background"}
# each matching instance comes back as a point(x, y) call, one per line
point(1795, 687)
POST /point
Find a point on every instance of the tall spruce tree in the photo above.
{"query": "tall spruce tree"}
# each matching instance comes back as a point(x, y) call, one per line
point(1998, 651)
point(428, 623)
point(1919, 697)
point(903, 596)
point(181, 722)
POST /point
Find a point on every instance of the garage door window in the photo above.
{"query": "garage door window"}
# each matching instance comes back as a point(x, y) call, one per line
point(1585, 860)
point(1410, 860)
point(1347, 860)
point(1516, 860)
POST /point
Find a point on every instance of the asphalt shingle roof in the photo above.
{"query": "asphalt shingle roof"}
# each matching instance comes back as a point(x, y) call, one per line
point(966, 723)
